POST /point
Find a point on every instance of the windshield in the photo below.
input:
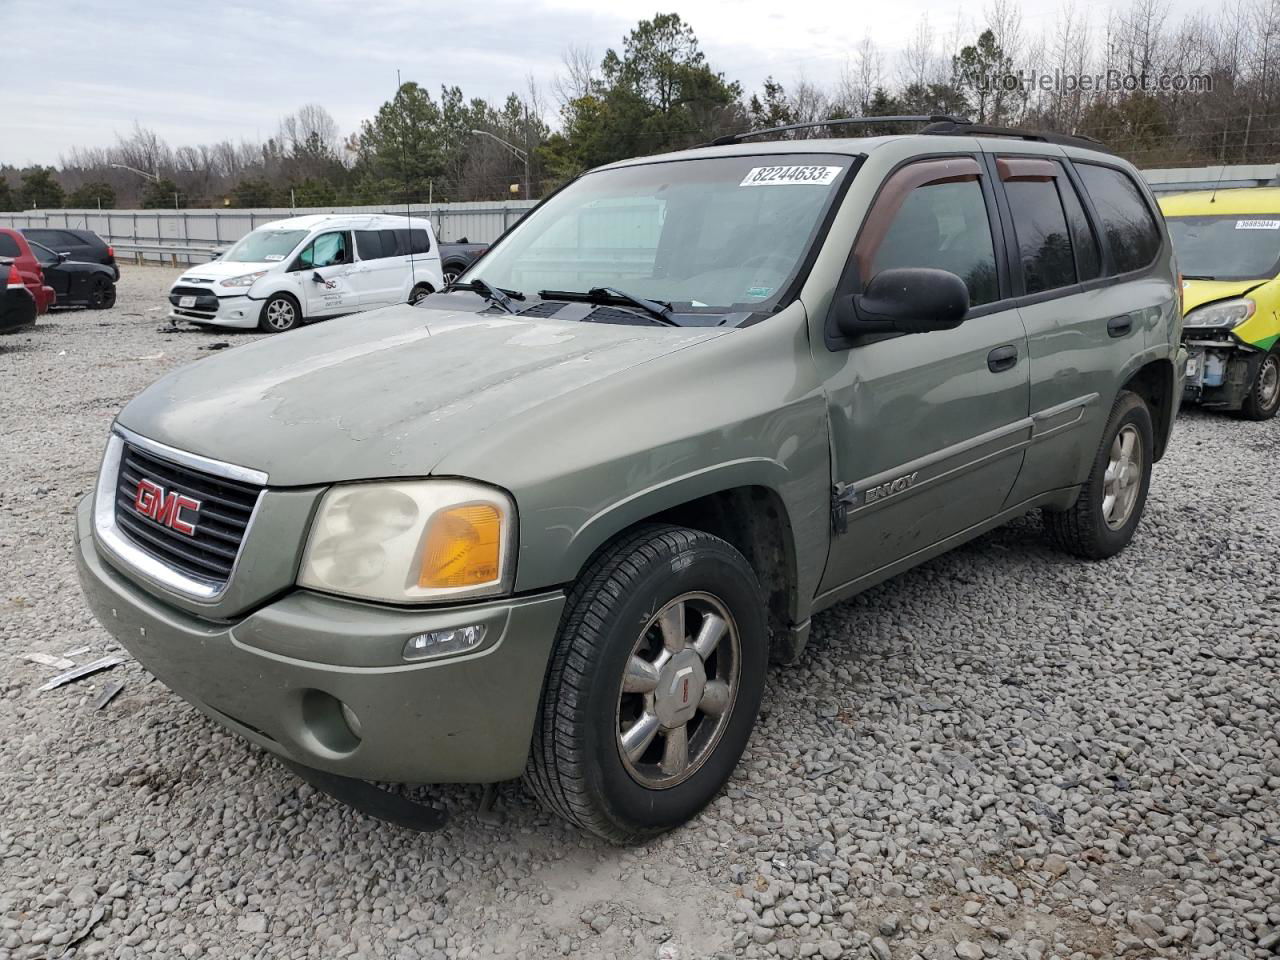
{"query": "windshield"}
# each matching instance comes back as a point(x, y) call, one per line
point(265, 245)
point(716, 234)
point(1227, 247)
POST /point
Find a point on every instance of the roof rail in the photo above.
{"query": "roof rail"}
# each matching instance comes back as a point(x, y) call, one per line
point(936, 119)
point(950, 128)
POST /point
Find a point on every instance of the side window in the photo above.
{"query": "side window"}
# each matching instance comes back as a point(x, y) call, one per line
point(418, 241)
point(67, 239)
point(943, 225)
point(1085, 244)
point(369, 244)
point(1039, 223)
point(44, 256)
point(395, 243)
point(41, 236)
point(9, 246)
point(1130, 232)
point(329, 249)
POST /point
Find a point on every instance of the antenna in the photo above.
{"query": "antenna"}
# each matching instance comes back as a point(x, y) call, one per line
point(408, 213)
point(1213, 196)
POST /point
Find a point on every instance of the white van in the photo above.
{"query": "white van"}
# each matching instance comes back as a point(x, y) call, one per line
point(305, 268)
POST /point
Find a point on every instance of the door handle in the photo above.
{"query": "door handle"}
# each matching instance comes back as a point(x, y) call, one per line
point(1002, 358)
point(1120, 326)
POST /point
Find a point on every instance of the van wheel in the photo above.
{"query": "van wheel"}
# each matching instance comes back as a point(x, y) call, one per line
point(654, 684)
point(1105, 515)
point(420, 293)
point(280, 313)
point(1264, 398)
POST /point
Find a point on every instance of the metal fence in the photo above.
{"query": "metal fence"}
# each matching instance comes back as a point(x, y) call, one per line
point(188, 236)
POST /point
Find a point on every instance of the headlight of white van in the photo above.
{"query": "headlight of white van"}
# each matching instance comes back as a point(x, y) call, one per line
point(411, 541)
point(1222, 316)
point(245, 281)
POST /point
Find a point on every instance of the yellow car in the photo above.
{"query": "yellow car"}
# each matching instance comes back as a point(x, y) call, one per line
point(1228, 249)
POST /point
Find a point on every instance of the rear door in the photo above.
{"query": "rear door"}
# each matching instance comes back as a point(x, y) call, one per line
point(1084, 302)
point(381, 268)
point(927, 429)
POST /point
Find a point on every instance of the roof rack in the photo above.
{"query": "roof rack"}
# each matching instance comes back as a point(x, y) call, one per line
point(947, 127)
point(936, 120)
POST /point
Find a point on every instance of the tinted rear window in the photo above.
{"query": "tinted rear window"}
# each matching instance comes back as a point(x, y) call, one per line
point(369, 244)
point(1043, 241)
point(1130, 231)
point(9, 246)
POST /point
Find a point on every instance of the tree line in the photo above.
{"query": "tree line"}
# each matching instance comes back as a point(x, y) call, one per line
point(657, 91)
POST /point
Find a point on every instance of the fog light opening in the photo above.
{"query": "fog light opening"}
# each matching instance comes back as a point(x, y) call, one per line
point(353, 721)
point(444, 643)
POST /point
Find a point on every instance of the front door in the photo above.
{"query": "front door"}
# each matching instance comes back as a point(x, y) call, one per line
point(928, 429)
point(324, 266)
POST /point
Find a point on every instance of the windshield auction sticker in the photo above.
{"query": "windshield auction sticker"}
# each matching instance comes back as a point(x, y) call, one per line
point(779, 176)
point(1258, 224)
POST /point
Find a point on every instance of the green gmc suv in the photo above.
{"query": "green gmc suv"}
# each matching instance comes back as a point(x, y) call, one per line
point(555, 521)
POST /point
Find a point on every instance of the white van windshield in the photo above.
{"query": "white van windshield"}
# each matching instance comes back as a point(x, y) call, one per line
point(265, 245)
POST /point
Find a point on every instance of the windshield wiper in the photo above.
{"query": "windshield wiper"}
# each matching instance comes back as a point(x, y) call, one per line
point(659, 311)
point(1192, 276)
point(495, 295)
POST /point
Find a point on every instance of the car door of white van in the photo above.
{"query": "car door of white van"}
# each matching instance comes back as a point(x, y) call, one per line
point(376, 276)
point(324, 266)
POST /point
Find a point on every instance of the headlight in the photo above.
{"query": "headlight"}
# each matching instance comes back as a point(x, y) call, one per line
point(1223, 316)
point(245, 281)
point(413, 541)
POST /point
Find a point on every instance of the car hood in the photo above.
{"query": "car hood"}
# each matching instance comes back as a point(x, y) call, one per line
point(1196, 293)
point(386, 393)
point(222, 269)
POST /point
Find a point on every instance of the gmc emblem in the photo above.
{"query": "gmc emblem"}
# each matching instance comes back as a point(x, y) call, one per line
point(165, 509)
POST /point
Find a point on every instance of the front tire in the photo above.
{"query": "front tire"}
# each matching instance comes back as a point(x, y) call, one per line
point(1263, 399)
point(280, 313)
point(654, 684)
point(1106, 514)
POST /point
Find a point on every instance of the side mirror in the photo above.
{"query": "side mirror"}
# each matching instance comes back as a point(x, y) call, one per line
point(316, 278)
point(906, 300)
point(63, 257)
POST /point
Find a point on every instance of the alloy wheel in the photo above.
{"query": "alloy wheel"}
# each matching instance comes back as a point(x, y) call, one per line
point(280, 314)
point(678, 690)
point(1123, 477)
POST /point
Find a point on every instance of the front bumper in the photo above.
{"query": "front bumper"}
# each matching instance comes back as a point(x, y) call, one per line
point(279, 676)
point(1221, 369)
point(238, 311)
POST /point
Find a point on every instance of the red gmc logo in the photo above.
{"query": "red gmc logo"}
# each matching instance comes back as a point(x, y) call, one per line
point(166, 509)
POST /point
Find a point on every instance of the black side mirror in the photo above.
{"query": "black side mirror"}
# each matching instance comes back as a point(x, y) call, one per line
point(63, 257)
point(906, 300)
point(316, 278)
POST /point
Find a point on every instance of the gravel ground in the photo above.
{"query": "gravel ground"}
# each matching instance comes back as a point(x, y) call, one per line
point(1005, 753)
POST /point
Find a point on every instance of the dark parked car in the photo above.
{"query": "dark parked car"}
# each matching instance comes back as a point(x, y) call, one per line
point(17, 305)
point(77, 284)
point(456, 257)
point(83, 246)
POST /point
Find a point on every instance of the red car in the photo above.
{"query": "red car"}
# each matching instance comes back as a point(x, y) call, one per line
point(14, 246)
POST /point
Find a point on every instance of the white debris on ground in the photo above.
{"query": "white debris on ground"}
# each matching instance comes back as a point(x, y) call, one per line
point(1005, 753)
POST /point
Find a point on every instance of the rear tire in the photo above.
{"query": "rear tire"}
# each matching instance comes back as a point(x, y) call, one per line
point(1106, 514)
point(280, 313)
point(654, 684)
point(452, 272)
point(102, 294)
point(420, 293)
point(1263, 399)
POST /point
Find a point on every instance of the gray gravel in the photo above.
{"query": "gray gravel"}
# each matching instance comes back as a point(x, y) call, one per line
point(1005, 753)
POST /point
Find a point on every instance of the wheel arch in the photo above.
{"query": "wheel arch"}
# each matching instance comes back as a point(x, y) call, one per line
point(1154, 382)
point(751, 515)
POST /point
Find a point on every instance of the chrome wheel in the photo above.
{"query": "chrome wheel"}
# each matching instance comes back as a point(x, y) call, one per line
point(1269, 382)
point(1123, 478)
point(678, 690)
point(450, 276)
point(281, 314)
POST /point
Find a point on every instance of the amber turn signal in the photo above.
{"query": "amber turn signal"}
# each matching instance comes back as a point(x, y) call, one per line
point(463, 547)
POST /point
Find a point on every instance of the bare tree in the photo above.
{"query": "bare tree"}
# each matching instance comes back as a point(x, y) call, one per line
point(578, 77)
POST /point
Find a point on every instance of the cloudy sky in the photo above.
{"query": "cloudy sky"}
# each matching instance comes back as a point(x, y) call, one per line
point(200, 72)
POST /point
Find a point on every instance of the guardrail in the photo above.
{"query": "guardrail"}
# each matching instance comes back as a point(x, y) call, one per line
point(167, 252)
